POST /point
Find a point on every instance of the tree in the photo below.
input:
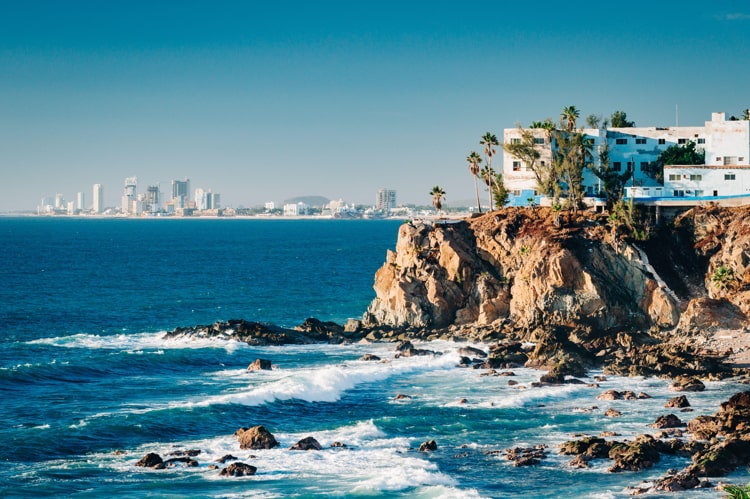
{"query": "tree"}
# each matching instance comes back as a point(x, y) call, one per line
point(500, 193)
point(619, 119)
point(488, 176)
point(568, 118)
point(571, 156)
point(613, 181)
point(489, 141)
point(473, 159)
point(746, 114)
point(593, 120)
point(676, 154)
point(437, 194)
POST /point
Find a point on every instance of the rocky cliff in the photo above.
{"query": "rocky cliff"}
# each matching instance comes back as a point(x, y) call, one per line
point(525, 268)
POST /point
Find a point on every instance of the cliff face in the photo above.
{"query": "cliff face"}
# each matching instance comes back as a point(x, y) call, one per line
point(517, 266)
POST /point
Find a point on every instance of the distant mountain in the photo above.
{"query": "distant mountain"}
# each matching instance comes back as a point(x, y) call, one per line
point(309, 200)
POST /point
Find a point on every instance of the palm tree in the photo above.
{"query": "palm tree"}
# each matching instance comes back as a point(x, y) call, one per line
point(474, 160)
point(746, 114)
point(489, 141)
point(437, 194)
point(568, 117)
point(488, 175)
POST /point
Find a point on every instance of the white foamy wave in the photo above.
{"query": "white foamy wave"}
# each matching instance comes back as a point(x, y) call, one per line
point(327, 384)
point(137, 343)
point(536, 396)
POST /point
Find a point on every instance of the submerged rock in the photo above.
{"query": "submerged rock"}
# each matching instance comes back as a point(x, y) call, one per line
point(150, 460)
point(257, 437)
point(238, 469)
point(307, 443)
point(430, 445)
point(260, 365)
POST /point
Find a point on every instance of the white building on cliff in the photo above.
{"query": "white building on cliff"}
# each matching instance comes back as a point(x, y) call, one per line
point(726, 172)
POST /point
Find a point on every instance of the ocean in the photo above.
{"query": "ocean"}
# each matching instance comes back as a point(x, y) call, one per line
point(89, 385)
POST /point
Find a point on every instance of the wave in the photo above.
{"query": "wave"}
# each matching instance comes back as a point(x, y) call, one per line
point(327, 384)
point(138, 342)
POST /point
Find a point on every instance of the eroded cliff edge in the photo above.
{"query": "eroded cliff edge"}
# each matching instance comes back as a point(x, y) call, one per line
point(523, 273)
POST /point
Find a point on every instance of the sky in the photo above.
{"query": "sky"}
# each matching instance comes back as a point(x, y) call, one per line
point(265, 101)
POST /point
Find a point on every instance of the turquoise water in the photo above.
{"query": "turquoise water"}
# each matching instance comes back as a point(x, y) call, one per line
point(89, 386)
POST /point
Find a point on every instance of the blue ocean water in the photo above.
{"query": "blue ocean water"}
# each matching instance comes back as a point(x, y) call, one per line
point(88, 384)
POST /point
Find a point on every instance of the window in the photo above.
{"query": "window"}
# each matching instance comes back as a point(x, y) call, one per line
point(679, 193)
point(640, 140)
point(682, 141)
point(696, 178)
point(741, 159)
point(718, 158)
point(516, 166)
point(701, 141)
point(698, 193)
point(621, 141)
point(662, 141)
point(729, 176)
point(515, 140)
point(617, 166)
point(730, 160)
point(538, 140)
point(543, 163)
point(644, 165)
point(516, 192)
point(673, 177)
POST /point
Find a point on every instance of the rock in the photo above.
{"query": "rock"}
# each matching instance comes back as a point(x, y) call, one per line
point(580, 461)
point(612, 413)
point(472, 352)
point(526, 461)
point(642, 396)
point(668, 421)
point(369, 357)
point(677, 482)
point(186, 461)
point(430, 445)
point(338, 445)
point(704, 427)
point(592, 447)
point(307, 443)
point(150, 460)
point(610, 395)
point(677, 402)
point(260, 365)
point(225, 458)
point(687, 384)
point(640, 454)
point(256, 437)
point(402, 396)
point(238, 469)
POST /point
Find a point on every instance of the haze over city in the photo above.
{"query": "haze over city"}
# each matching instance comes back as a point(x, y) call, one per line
point(267, 102)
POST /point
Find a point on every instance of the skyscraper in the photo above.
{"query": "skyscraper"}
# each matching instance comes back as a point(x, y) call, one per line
point(79, 202)
point(98, 197)
point(181, 192)
point(385, 199)
point(129, 194)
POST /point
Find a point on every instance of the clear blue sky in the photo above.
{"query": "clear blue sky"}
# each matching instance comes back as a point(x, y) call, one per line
point(264, 101)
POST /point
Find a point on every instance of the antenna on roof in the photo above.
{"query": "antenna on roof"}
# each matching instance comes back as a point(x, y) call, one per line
point(676, 115)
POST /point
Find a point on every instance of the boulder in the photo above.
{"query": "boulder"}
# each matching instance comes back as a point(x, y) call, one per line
point(257, 437)
point(687, 384)
point(610, 395)
point(369, 357)
point(150, 460)
point(430, 445)
point(307, 443)
point(637, 455)
point(677, 402)
point(227, 457)
point(612, 413)
point(668, 421)
point(472, 352)
point(260, 365)
point(238, 469)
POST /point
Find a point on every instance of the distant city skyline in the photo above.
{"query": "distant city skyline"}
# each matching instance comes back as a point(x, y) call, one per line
point(261, 102)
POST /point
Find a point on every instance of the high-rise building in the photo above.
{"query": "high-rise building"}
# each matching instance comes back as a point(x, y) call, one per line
point(129, 194)
point(98, 197)
point(59, 202)
point(151, 198)
point(79, 201)
point(181, 193)
point(385, 199)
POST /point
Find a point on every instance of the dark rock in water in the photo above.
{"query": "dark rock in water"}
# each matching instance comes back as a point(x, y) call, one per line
point(150, 460)
point(189, 452)
point(677, 482)
point(402, 396)
point(677, 402)
point(591, 447)
point(307, 443)
point(369, 357)
point(610, 395)
point(187, 461)
point(637, 455)
point(704, 427)
point(668, 421)
point(612, 413)
point(260, 365)
point(430, 445)
point(257, 333)
point(225, 458)
point(721, 458)
point(472, 352)
point(686, 384)
point(256, 437)
point(526, 461)
point(338, 445)
point(238, 469)
point(464, 362)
